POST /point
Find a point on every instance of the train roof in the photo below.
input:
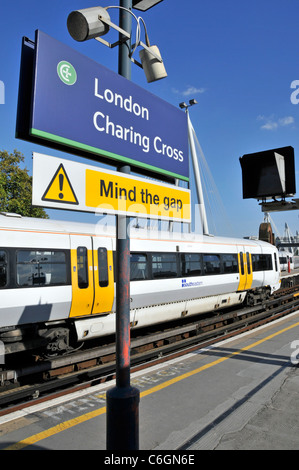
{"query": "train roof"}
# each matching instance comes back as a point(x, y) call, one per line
point(284, 252)
point(12, 221)
point(17, 222)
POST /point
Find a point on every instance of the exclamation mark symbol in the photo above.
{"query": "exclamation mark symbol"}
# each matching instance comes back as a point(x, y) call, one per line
point(61, 178)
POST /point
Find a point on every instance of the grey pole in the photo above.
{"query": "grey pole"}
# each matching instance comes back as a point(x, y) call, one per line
point(123, 400)
point(201, 202)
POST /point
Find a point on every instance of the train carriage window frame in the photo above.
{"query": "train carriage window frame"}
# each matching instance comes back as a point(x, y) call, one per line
point(164, 265)
point(103, 267)
point(191, 264)
point(242, 267)
point(43, 267)
point(262, 262)
point(211, 264)
point(3, 268)
point(248, 263)
point(82, 267)
point(230, 263)
point(139, 269)
point(275, 262)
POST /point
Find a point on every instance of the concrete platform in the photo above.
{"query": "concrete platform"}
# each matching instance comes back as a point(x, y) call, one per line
point(240, 394)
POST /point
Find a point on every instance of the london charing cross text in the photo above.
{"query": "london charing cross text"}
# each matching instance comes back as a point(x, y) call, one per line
point(103, 123)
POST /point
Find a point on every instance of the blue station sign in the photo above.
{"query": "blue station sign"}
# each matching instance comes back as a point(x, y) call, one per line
point(79, 104)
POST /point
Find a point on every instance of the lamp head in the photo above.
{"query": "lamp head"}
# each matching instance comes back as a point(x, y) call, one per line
point(183, 105)
point(154, 69)
point(144, 5)
point(85, 24)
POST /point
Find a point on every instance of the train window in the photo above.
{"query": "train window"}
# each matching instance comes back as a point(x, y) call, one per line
point(211, 264)
point(3, 268)
point(262, 262)
point(242, 263)
point(267, 261)
point(103, 267)
point(254, 256)
point(230, 263)
point(191, 264)
point(138, 266)
point(41, 268)
point(254, 262)
point(82, 263)
point(275, 261)
point(248, 263)
point(164, 265)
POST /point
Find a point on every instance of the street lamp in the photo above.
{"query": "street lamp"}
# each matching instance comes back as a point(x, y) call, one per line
point(144, 5)
point(92, 23)
point(184, 105)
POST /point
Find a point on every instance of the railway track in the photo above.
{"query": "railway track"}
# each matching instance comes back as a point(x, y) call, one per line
point(57, 375)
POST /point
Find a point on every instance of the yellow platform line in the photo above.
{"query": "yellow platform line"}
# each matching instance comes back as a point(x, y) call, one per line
point(93, 414)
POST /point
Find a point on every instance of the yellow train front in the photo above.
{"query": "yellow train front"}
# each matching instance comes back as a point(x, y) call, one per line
point(57, 279)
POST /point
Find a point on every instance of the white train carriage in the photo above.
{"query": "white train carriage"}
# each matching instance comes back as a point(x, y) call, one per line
point(57, 281)
point(285, 260)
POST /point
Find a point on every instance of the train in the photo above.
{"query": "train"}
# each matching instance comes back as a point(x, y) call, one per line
point(57, 280)
point(285, 260)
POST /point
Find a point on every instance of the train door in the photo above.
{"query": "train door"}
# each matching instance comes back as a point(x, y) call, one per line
point(103, 276)
point(245, 269)
point(82, 275)
point(249, 270)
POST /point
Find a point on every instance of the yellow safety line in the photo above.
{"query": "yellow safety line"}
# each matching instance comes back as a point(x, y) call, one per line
point(93, 414)
point(56, 429)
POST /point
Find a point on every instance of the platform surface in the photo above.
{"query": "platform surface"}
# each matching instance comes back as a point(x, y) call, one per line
point(241, 393)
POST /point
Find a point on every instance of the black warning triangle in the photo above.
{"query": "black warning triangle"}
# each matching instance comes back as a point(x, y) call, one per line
point(60, 188)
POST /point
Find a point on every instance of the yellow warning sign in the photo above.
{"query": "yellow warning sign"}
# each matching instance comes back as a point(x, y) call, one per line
point(60, 188)
point(124, 194)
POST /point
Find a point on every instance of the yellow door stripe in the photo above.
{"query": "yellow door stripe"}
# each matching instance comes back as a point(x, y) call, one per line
point(93, 414)
point(242, 281)
point(249, 270)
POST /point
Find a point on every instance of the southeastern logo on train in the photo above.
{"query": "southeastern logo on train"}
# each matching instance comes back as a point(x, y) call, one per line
point(186, 283)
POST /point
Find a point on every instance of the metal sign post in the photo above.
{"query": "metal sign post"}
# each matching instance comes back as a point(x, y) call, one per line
point(123, 400)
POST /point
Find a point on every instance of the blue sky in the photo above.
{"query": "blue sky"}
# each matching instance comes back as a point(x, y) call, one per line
point(237, 59)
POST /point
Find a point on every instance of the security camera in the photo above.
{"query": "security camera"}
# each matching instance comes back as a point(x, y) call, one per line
point(85, 24)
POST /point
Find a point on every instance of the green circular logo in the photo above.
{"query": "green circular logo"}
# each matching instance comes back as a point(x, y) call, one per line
point(66, 73)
